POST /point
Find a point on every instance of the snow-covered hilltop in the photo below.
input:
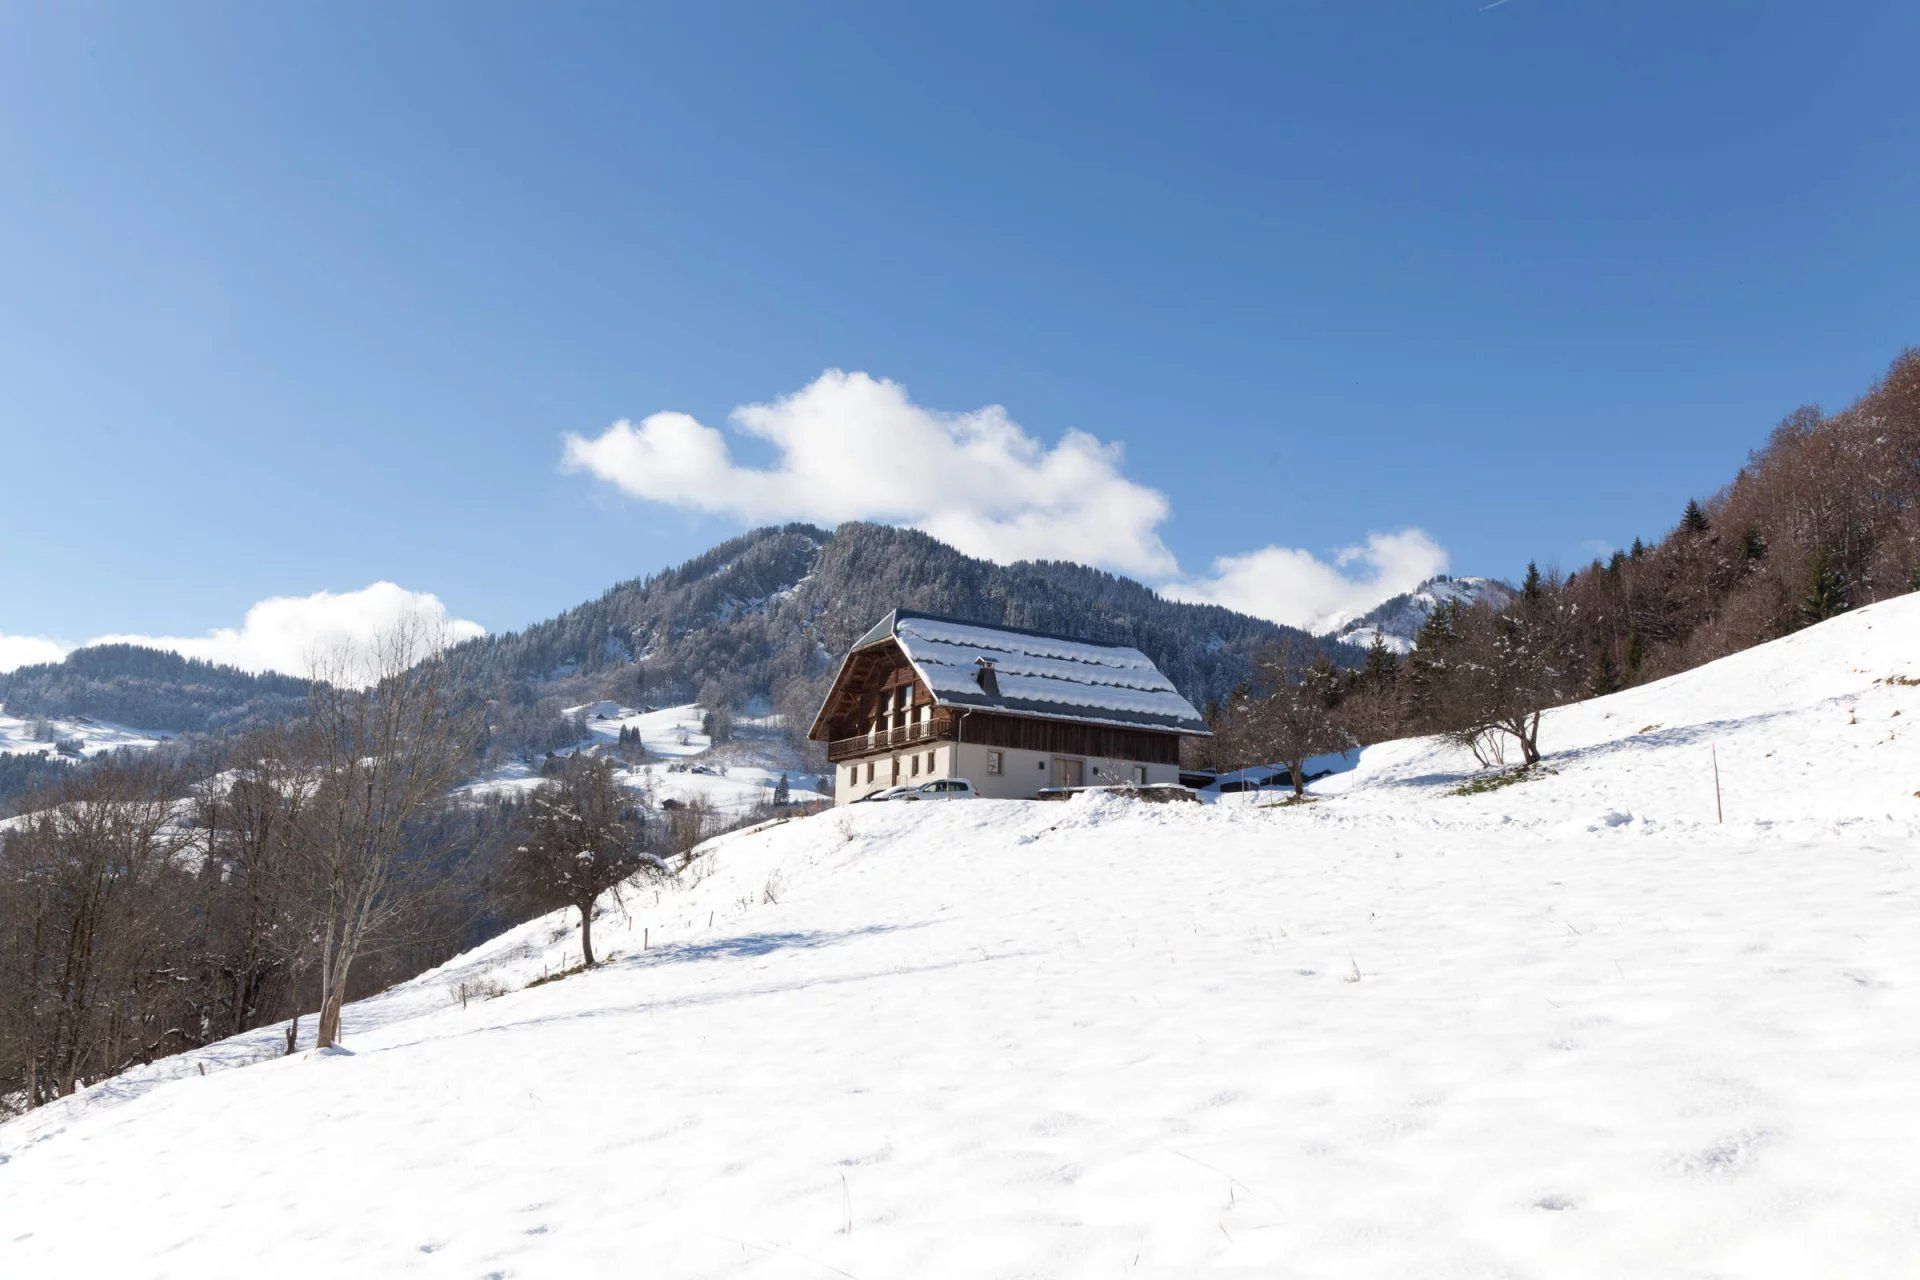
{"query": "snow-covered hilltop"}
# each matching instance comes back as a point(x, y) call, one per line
point(1397, 621)
point(1574, 1026)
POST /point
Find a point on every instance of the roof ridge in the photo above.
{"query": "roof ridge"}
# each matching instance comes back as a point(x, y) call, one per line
point(899, 614)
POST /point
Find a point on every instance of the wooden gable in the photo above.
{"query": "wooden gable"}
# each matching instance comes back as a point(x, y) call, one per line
point(865, 689)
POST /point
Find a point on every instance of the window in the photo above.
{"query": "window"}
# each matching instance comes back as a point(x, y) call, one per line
point(869, 771)
point(993, 762)
point(1140, 774)
point(853, 776)
point(916, 766)
point(929, 762)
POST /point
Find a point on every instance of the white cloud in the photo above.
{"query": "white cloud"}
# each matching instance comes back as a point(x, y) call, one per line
point(25, 651)
point(1298, 588)
point(286, 633)
point(853, 447)
point(849, 446)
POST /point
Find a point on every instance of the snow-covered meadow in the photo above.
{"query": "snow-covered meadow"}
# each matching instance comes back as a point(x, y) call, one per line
point(87, 737)
point(681, 762)
point(1572, 1027)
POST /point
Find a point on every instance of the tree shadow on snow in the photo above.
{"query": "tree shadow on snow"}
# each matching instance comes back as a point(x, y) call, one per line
point(711, 997)
point(748, 945)
point(1683, 735)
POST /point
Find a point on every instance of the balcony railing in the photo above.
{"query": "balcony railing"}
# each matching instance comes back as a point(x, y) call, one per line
point(883, 740)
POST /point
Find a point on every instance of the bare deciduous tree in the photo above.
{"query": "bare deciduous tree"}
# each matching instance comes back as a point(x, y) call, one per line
point(256, 912)
point(92, 887)
point(583, 836)
point(1287, 718)
point(384, 757)
point(1505, 669)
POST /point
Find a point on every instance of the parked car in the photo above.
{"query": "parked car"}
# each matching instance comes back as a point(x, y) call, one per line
point(891, 793)
point(940, 789)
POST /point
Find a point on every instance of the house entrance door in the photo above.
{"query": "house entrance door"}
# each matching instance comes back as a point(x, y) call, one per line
point(1068, 772)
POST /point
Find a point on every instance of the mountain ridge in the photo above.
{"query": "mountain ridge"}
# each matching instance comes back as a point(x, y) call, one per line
point(1397, 619)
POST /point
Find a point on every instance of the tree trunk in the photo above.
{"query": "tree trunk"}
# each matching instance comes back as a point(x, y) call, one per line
point(1297, 770)
point(586, 933)
point(329, 1029)
point(1530, 739)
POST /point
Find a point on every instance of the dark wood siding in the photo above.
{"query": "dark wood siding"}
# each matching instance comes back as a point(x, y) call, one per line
point(1062, 737)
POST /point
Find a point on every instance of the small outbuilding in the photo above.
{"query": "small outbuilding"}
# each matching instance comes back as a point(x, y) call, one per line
point(921, 697)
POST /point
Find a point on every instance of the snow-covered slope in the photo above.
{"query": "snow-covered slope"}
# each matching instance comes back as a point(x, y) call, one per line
point(1816, 730)
point(1570, 1028)
point(1398, 620)
point(81, 735)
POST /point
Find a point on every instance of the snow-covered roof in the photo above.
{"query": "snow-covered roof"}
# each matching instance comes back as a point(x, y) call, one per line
point(1036, 674)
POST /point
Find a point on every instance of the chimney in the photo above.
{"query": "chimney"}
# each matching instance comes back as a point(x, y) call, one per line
point(988, 680)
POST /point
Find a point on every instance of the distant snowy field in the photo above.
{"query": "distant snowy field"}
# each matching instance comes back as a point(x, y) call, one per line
point(741, 774)
point(1575, 1027)
point(18, 736)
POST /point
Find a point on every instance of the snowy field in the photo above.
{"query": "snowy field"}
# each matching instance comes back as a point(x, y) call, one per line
point(731, 780)
point(1575, 1027)
point(18, 735)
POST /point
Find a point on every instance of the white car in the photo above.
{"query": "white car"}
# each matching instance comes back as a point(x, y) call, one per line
point(891, 793)
point(940, 789)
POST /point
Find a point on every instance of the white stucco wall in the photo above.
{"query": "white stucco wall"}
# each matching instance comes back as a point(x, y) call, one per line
point(1022, 773)
point(845, 792)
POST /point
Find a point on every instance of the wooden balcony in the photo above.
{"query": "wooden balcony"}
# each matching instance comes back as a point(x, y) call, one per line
point(866, 744)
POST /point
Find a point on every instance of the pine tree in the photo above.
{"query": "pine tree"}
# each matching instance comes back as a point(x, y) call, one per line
point(1382, 664)
point(1530, 589)
point(782, 793)
point(1753, 545)
point(1639, 550)
point(1428, 664)
point(1694, 519)
point(1827, 596)
point(1636, 652)
point(1606, 673)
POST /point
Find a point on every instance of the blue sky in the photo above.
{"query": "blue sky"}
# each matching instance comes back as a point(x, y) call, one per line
point(299, 300)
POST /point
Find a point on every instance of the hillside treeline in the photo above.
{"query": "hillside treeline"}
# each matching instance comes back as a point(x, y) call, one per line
point(151, 689)
point(1825, 517)
point(155, 903)
point(311, 863)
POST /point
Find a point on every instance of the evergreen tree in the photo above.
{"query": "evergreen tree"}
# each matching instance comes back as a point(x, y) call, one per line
point(1827, 595)
point(1636, 652)
point(1530, 589)
point(1753, 545)
point(1427, 666)
point(782, 793)
point(1606, 673)
point(1694, 519)
point(1382, 665)
point(1639, 550)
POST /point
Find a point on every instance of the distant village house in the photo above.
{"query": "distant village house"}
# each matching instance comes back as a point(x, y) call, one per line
point(921, 697)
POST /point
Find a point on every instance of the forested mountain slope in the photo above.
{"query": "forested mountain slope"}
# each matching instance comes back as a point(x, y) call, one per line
point(767, 614)
point(1397, 621)
point(152, 689)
